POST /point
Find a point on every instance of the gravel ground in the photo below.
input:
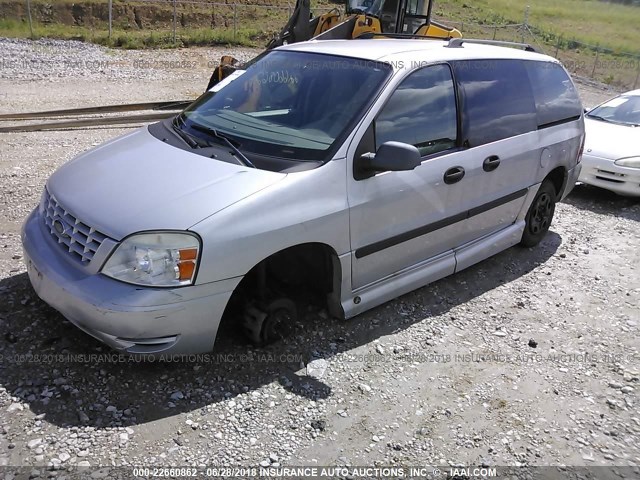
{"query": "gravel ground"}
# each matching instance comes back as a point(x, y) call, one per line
point(53, 60)
point(529, 358)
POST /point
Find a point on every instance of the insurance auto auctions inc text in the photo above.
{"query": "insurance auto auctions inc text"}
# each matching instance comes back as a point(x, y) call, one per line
point(374, 472)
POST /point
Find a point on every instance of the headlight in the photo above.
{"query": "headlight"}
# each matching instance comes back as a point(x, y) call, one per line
point(630, 162)
point(162, 259)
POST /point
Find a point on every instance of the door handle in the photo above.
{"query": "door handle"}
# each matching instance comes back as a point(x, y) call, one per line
point(491, 163)
point(453, 175)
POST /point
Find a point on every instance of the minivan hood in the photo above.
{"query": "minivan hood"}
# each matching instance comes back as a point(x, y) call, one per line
point(611, 141)
point(137, 182)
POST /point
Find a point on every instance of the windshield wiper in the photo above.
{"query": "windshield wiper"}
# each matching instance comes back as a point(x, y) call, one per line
point(597, 117)
point(227, 141)
point(616, 122)
point(182, 134)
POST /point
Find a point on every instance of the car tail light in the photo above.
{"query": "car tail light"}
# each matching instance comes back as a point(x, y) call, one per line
point(579, 159)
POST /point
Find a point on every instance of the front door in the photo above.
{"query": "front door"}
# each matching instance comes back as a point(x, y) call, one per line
point(400, 219)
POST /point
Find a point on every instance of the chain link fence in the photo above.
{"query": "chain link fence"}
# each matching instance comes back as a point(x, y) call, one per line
point(206, 21)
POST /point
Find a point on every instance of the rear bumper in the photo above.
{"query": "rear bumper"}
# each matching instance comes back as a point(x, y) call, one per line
point(128, 318)
point(603, 173)
point(572, 178)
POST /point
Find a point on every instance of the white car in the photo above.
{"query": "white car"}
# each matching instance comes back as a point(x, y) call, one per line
point(611, 157)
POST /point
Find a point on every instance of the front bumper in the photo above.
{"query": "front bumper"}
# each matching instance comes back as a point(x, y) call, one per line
point(603, 173)
point(129, 318)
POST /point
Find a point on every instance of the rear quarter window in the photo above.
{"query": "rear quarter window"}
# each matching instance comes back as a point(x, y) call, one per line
point(557, 100)
point(497, 101)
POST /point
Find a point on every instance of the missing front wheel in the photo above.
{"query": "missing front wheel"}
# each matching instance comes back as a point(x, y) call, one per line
point(271, 323)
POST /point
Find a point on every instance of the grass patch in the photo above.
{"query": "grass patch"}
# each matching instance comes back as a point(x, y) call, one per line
point(593, 22)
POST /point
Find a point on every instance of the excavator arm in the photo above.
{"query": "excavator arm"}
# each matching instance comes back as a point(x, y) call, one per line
point(297, 28)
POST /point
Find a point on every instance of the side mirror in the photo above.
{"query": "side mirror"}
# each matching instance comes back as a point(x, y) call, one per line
point(391, 156)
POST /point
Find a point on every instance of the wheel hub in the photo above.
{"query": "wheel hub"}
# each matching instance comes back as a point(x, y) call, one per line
point(541, 215)
point(266, 325)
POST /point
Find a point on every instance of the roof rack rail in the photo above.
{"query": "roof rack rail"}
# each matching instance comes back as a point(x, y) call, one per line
point(457, 43)
point(369, 35)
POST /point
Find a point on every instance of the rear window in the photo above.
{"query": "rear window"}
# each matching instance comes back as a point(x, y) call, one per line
point(497, 100)
point(556, 98)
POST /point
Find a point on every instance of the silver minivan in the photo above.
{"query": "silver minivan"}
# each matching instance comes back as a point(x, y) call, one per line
point(343, 173)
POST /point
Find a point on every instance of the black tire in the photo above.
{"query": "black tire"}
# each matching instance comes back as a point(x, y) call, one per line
point(540, 215)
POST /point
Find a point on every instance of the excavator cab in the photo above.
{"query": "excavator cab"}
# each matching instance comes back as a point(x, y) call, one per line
point(387, 18)
point(409, 17)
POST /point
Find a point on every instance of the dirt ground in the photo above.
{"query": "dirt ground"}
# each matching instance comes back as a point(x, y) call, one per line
point(528, 358)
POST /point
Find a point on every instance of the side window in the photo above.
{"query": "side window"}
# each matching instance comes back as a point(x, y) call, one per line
point(556, 97)
point(497, 100)
point(421, 112)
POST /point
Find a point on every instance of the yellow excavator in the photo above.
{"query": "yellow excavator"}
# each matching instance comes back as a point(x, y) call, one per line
point(362, 18)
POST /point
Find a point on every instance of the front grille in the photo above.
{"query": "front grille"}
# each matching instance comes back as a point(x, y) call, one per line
point(609, 176)
point(612, 180)
point(607, 172)
point(81, 240)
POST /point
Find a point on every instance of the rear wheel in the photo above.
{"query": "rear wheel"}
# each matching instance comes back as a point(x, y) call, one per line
point(540, 215)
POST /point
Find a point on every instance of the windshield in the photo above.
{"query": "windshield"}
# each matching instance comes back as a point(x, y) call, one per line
point(624, 109)
point(416, 13)
point(370, 7)
point(290, 105)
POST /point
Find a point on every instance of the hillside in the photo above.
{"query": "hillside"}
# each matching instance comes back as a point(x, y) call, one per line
point(613, 26)
point(593, 38)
